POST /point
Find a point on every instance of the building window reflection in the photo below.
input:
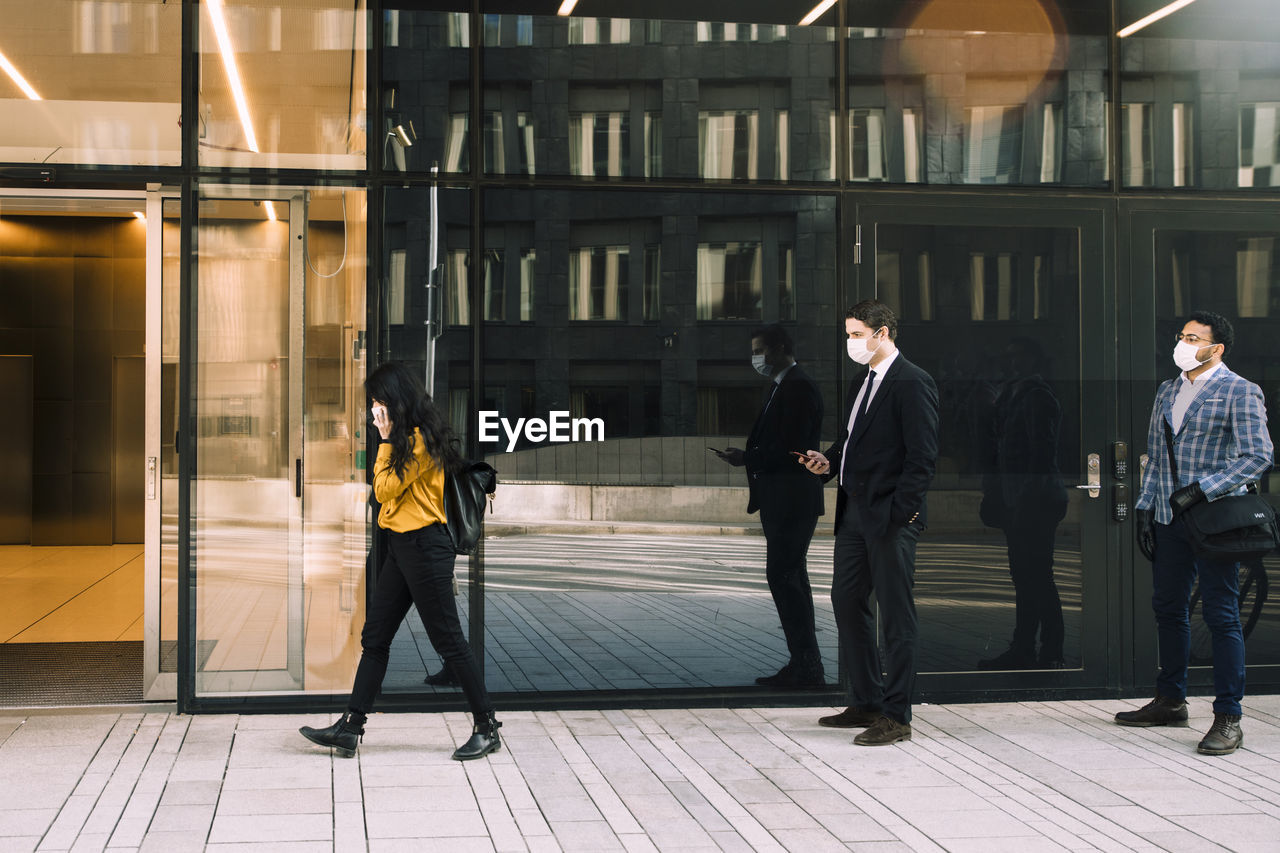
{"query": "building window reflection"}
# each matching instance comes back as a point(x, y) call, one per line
point(598, 279)
point(993, 144)
point(599, 31)
point(1137, 160)
point(1257, 277)
point(1260, 144)
point(729, 144)
point(600, 132)
point(508, 134)
point(716, 31)
point(493, 292)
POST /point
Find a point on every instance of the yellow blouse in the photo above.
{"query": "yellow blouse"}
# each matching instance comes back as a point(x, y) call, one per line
point(415, 500)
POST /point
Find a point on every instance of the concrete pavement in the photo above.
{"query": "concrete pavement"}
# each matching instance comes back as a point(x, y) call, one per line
point(1014, 776)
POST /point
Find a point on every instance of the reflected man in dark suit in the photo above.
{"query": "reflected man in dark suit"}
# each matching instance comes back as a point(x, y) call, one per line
point(884, 459)
point(1023, 496)
point(789, 498)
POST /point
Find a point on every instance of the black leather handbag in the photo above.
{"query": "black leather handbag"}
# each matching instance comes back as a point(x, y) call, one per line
point(1234, 528)
point(465, 495)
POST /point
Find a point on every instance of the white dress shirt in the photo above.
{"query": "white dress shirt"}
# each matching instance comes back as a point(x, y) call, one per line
point(1187, 391)
point(858, 403)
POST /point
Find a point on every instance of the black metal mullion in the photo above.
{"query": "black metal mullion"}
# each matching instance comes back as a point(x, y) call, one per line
point(475, 598)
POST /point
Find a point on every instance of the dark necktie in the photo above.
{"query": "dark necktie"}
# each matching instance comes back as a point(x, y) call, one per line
point(866, 398)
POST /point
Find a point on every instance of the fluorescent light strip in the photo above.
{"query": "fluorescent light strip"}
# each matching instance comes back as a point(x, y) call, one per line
point(816, 12)
point(233, 74)
point(1153, 17)
point(567, 7)
point(271, 210)
point(18, 78)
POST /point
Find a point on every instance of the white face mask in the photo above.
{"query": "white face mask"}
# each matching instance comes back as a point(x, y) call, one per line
point(1185, 355)
point(757, 361)
point(857, 349)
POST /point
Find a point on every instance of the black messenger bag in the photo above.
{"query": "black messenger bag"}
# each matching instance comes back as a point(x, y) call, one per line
point(465, 496)
point(1235, 528)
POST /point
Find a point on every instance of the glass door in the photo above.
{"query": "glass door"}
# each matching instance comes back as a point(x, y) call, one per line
point(278, 503)
point(1226, 260)
point(1004, 308)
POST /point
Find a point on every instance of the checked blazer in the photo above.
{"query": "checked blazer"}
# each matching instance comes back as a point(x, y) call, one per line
point(1223, 443)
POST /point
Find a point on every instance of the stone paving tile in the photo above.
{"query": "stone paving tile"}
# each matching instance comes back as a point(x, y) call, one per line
point(1021, 776)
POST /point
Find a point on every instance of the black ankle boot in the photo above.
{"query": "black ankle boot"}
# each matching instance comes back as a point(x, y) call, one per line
point(343, 735)
point(484, 740)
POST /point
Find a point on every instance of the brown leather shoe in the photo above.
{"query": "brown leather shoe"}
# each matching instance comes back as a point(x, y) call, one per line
point(1224, 736)
point(852, 717)
point(1160, 711)
point(883, 732)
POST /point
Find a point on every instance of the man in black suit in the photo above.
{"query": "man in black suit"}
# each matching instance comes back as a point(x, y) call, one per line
point(789, 498)
point(884, 460)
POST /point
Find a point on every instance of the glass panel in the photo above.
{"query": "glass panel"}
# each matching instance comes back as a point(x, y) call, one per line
point(950, 93)
point(1207, 76)
point(255, 58)
point(279, 449)
point(745, 101)
point(426, 76)
point(1000, 576)
point(639, 395)
point(91, 82)
point(444, 361)
point(1193, 271)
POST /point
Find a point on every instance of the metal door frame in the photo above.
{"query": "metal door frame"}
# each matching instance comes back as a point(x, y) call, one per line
point(1140, 219)
point(1101, 554)
point(290, 679)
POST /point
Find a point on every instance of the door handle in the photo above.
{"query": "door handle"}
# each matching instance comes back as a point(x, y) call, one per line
point(297, 478)
point(151, 478)
point(1094, 470)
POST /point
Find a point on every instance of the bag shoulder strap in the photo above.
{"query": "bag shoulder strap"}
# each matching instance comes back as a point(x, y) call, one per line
point(1168, 443)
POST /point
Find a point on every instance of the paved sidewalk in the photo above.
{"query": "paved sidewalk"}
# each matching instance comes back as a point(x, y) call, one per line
point(1017, 777)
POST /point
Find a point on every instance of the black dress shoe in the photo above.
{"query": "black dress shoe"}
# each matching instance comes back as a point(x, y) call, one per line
point(443, 678)
point(484, 740)
point(1224, 736)
point(852, 717)
point(793, 678)
point(784, 677)
point(343, 736)
point(883, 732)
point(1012, 658)
point(1160, 711)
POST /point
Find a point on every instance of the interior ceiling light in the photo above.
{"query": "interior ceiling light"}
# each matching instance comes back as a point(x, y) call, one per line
point(18, 78)
point(271, 210)
point(567, 7)
point(816, 12)
point(233, 74)
point(141, 216)
point(1153, 17)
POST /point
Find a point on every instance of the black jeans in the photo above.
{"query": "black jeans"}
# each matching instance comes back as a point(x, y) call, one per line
point(883, 565)
point(418, 571)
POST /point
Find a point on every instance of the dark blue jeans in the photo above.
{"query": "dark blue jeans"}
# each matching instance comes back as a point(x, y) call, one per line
point(418, 571)
point(1172, 575)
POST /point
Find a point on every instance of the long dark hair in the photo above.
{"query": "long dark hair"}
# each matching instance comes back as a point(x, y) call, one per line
point(408, 406)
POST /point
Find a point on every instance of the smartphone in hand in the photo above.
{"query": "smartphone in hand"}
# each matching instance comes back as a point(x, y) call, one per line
point(713, 450)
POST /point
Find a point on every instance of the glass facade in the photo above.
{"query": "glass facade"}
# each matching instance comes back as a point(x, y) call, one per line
point(573, 223)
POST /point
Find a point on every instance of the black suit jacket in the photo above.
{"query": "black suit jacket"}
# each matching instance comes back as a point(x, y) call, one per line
point(791, 421)
point(893, 450)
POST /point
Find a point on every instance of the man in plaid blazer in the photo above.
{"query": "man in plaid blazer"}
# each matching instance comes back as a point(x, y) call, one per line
point(1220, 444)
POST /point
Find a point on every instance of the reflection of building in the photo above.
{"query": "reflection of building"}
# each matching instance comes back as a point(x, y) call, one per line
point(624, 198)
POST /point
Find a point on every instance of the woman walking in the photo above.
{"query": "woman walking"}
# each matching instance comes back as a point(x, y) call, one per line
point(418, 447)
